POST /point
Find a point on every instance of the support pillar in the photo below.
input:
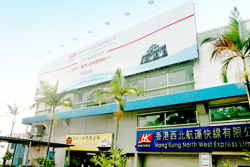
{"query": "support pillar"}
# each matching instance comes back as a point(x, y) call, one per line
point(14, 155)
point(67, 163)
point(27, 157)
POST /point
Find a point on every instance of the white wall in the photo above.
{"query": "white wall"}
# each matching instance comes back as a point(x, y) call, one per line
point(207, 72)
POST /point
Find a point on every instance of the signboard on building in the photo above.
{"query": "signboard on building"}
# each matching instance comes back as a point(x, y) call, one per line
point(205, 159)
point(90, 142)
point(166, 39)
point(200, 139)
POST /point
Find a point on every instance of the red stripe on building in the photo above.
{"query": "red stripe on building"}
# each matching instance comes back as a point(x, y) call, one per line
point(58, 69)
point(151, 33)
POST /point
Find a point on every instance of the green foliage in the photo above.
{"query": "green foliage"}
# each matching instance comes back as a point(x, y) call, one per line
point(117, 90)
point(52, 99)
point(7, 156)
point(227, 164)
point(118, 159)
point(247, 156)
point(8, 165)
point(45, 162)
point(231, 42)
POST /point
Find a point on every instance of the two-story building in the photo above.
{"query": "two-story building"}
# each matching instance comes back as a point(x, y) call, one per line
point(188, 116)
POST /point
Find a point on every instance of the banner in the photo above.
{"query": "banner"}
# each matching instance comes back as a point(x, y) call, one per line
point(90, 142)
point(163, 40)
point(200, 139)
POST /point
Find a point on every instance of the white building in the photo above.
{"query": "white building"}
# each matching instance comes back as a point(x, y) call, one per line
point(188, 116)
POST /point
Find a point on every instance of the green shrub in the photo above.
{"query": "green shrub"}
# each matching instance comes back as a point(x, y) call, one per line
point(118, 159)
point(44, 162)
point(227, 164)
point(7, 156)
point(247, 156)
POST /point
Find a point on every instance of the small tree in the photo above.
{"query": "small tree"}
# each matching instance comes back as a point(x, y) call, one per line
point(7, 156)
point(117, 159)
point(54, 100)
point(13, 110)
point(117, 90)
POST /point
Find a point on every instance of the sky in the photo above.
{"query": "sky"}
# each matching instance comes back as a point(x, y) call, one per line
point(33, 33)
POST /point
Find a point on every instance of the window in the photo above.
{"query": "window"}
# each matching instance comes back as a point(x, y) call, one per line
point(173, 81)
point(168, 118)
point(157, 83)
point(230, 112)
point(177, 76)
point(79, 99)
point(12, 145)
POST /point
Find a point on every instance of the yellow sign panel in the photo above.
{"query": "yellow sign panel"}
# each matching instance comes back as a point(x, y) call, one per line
point(90, 142)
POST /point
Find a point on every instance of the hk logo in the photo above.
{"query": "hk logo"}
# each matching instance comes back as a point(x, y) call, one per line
point(145, 138)
point(69, 140)
point(72, 56)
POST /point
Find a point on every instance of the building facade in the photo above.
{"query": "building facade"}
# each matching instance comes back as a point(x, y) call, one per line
point(188, 116)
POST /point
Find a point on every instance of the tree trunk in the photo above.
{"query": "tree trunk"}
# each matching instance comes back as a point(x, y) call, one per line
point(50, 131)
point(116, 134)
point(246, 80)
point(248, 90)
point(12, 126)
point(14, 119)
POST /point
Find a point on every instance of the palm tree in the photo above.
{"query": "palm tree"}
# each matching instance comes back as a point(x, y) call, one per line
point(53, 100)
point(117, 90)
point(233, 42)
point(13, 110)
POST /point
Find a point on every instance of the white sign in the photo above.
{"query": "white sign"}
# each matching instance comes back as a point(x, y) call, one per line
point(205, 159)
point(163, 40)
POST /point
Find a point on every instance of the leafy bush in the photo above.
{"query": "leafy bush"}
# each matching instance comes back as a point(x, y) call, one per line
point(247, 156)
point(44, 162)
point(7, 156)
point(227, 164)
point(117, 159)
point(7, 165)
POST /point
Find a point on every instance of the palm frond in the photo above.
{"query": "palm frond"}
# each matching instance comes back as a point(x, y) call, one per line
point(134, 90)
point(237, 29)
point(14, 110)
point(101, 95)
point(224, 47)
point(56, 87)
point(225, 67)
point(66, 102)
point(64, 94)
point(207, 40)
point(246, 51)
point(118, 80)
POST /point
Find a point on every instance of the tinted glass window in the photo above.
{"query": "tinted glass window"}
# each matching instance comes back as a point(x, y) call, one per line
point(232, 112)
point(168, 118)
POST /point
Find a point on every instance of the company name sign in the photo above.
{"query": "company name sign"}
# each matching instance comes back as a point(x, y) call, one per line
point(212, 138)
point(90, 142)
point(163, 40)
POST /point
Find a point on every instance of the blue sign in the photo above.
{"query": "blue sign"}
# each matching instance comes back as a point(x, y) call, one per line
point(211, 138)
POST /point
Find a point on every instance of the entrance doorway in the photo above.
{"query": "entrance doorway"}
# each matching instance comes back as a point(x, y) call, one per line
point(79, 158)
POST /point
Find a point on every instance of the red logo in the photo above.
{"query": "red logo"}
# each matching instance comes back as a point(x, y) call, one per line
point(145, 138)
point(69, 140)
point(72, 56)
